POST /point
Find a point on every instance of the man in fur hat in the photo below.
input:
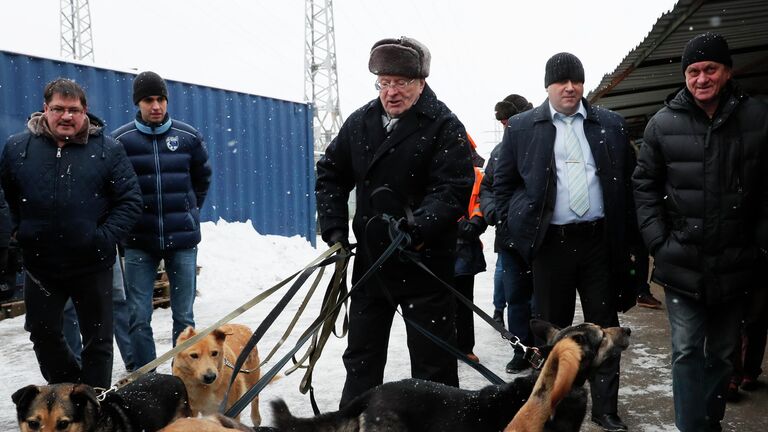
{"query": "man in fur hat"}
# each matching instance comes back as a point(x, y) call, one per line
point(562, 184)
point(402, 150)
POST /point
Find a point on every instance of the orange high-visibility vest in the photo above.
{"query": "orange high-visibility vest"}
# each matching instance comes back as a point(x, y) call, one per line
point(474, 200)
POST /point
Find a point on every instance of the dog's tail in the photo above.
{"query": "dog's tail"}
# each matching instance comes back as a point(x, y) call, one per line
point(330, 422)
point(553, 384)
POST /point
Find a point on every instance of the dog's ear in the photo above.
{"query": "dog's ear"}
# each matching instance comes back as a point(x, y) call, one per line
point(219, 335)
point(82, 394)
point(23, 397)
point(544, 330)
point(186, 334)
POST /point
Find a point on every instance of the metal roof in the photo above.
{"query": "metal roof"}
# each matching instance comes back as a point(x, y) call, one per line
point(651, 71)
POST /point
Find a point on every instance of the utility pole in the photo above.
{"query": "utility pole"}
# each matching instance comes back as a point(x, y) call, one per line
point(75, 25)
point(321, 82)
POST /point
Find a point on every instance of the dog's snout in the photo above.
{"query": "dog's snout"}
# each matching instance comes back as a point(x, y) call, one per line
point(626, 330)
point(209, 377)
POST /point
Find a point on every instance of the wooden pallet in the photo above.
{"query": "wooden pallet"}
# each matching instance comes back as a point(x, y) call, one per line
point(12, 309)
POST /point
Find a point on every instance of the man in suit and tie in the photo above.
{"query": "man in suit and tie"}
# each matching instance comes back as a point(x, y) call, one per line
point(563, 187)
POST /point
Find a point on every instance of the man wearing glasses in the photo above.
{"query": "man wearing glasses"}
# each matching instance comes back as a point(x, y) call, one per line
point(73, 195)
point(404, 150)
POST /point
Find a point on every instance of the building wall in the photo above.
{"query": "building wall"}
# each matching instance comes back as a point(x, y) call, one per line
point(261, 149)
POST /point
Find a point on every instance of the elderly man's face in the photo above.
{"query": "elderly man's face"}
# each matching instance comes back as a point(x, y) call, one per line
point(65, 116)
point(565, 96)
point(399, 93)
point(705, 79)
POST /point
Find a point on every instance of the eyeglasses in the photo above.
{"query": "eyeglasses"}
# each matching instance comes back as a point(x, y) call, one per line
point(60, 111)
point(398, 84)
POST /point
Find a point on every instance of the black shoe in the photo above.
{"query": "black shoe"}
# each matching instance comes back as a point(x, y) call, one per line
point(517, 364)
point(498, 316)
point(609, 422)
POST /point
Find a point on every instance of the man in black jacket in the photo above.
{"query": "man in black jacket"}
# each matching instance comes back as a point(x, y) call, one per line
point(73, 196)
point(405, 149)
point(512, 284)
point(701, 188)
point(171, 161)
point(562, 185)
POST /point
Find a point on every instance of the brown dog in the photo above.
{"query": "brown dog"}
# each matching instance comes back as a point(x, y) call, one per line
point(203, 369)
point(147, 404)
point(216, 423)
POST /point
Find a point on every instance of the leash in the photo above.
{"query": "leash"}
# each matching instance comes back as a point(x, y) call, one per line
point(194, 339)
point(237, 407)
point(271, 317)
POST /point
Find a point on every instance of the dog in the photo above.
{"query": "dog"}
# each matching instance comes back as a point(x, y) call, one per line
point(215, 423)
point(147, 404)
point(418, 405)
point(206, 369)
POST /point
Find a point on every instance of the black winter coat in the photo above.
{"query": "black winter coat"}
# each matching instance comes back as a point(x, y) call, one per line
point(425, 164)
point(171, 162)
point(488, 204)
point(701, 187)
point(525, 183)
point(69, 206)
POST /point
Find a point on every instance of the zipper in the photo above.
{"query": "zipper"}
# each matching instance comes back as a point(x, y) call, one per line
point(159, 185)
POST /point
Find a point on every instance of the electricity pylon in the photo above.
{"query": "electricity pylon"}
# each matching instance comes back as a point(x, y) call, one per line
point(75, 25)
point(321, 82)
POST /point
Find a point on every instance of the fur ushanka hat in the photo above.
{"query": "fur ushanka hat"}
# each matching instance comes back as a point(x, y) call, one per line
point(404, 57)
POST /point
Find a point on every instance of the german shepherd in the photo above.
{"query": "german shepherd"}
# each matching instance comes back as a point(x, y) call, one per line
point(418, 405)
point(147, 404)
point(206, 369)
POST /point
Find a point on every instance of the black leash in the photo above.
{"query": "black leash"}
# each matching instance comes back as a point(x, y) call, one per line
point(254, 391)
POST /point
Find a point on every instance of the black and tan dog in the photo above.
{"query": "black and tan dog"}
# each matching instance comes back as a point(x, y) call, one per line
point(417, 405)
point(147, 405)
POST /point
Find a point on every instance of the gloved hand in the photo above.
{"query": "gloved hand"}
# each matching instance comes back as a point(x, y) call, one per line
point(3, 260)
point(468, 229)
point(412, 239)
point(337, 235)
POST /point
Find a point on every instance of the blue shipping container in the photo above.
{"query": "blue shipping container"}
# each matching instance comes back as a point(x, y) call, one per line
point(261, 149)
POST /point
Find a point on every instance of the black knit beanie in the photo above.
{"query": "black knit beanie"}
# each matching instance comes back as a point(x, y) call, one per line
point(563, 66)
point(404, 57)
point(511, 105)
point(706, 47)
point(148, 84)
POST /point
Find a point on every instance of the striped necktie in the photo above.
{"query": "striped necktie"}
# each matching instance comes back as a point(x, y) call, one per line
point(576, 169)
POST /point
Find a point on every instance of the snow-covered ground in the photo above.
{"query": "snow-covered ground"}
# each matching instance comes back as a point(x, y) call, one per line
point(238, 263)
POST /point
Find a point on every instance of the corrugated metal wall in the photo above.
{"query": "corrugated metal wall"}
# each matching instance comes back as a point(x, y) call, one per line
point(260, 148)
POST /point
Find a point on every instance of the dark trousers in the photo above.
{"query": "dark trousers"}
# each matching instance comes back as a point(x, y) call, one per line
point(575, 259)
point(465, 317)
point(92, 297)
point(370, 321)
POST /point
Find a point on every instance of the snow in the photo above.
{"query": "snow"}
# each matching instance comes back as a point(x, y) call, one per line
point(237, 264)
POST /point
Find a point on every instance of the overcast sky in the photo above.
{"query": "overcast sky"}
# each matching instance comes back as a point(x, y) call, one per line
point(481, 50)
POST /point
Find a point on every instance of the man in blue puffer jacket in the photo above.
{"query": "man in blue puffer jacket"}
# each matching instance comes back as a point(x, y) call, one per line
point(73, 196)
point(171, 162)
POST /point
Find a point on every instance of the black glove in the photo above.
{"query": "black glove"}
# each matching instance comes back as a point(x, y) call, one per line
point(468, 230)
point(3, 260)
point(337, 235)
point(412, 238)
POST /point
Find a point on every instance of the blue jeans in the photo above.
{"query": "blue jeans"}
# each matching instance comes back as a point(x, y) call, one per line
point(140, 273)
point(513, 278)
point(120, 320)
point(703, 339)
